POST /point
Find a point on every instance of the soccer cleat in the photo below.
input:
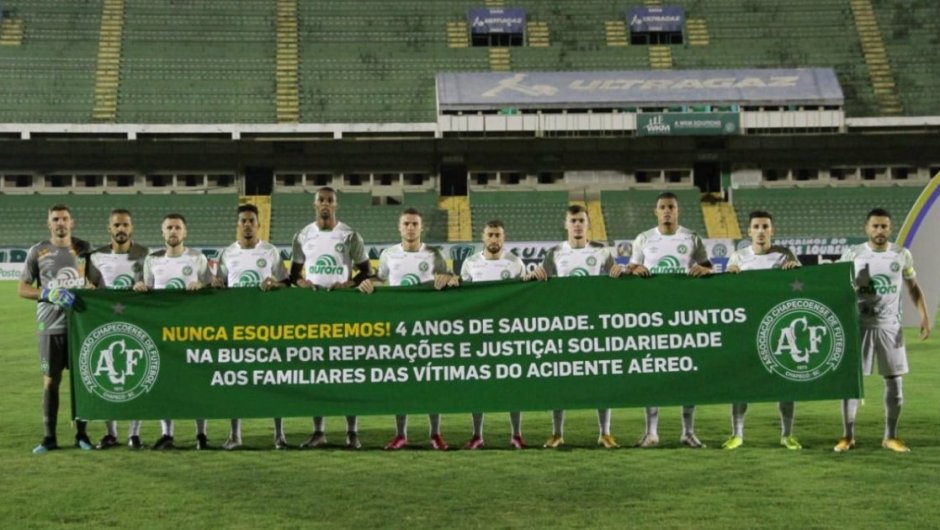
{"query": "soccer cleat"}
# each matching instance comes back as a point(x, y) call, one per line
point(134, 442)
point(648, 440)
point(165, 442)
point(475, 443)
point(896, 445)
point(736, 441)
point(232, 443)
point(107, 442)
point(396, 443)
point(438, 443)
point(316, 439)
point(790, 443)
point(517, 442)
point(689, 439)
point(280, 443)
point(202, 442)
point(352, 440)
point(554, 442)
point(844, 444)
point(607, 441)
point(83, 442)
point(48, 444)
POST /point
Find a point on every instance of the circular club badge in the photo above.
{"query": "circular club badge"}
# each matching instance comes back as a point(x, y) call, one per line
point(801, 340)
point(118, 362)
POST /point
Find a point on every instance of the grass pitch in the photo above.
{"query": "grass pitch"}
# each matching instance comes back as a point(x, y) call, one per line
point(758, 485)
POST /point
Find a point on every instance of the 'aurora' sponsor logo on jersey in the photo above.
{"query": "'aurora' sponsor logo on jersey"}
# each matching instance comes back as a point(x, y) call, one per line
point(175, 283)
point(800, 340)
point(326, 265)
point(879, 284)
point(410, 279)
point(118, 362)
point(123, 282)
point(668, 265)
point(248, 279)
point(67, 278)
point(579, 271)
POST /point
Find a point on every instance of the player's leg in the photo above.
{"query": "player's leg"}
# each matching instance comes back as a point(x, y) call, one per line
point(280, 441)
point(437, 441)
point(892, 364)
point(352, 433)
point(133, 435)
point(234, 435)
point(688, 428)
point(850, 406)
point(166, 437)
point(109, 440)
point(738, 411)
point(604, 438)
point(557, 438)
point(787, 439)
point(515, 422)
point(401, 433)
point(202, 440)
point(476, 441)
point(651, 436)
point(318, 438)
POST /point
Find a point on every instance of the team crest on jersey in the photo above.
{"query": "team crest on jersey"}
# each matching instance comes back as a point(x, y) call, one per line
point(423, 266)
point(261, 263)
point(339, 248)
point(187, 270)
point(410, 279)
point(326, 265)
point(248, 279)
point(118, 362)
point(123, 282)
point(801, 340)
point(879, 284)
point(67, 278)
point(591, 261)
point(175, 284)
point(895, 266)
point(504, 275)
point(682, 249)
point(668, 265)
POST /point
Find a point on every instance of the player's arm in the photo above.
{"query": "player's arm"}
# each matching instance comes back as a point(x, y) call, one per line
point(702, 266)
point(220, 279)
point(443, 278)
point(734, 263)
point(29, 291)
point(30, 276)
point(614, 270)
point(367, 284)
point(636, 267)
point(146, 283)
point(546, 269)
point(917, 295)
point(92, 275)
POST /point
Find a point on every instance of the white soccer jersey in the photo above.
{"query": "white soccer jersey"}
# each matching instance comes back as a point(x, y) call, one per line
point(165, 272)
point(593, 259)
point(398, 266)
point(669, 254)
point(878, 281)
point(748, 260)
point(248, 267)
point(117, 271)
point(328, 255)
point(479, 268)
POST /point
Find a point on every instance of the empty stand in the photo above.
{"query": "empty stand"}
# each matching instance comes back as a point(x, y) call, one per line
point(528, 215)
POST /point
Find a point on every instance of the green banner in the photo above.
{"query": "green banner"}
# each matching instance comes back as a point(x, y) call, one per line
point(567, 343)
point(688, 124)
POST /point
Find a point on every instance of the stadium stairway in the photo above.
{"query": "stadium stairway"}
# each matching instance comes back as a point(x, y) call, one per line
point(263, 203)
point(538, 34)
point(876, 57)
point(697, 31)
point(288, 92)
point(616, 31)
point(660, 57)
point(721, 221)
point(108, 72)
point(457, 35)
point(500, 59)
point(459, 223)
point(11, 31)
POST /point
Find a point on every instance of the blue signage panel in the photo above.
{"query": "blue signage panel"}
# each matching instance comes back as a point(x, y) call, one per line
point(640, 88)
point(485, 20)
point(641, 19)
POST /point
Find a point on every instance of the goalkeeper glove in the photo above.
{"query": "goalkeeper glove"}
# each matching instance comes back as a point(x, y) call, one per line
point(59, 297)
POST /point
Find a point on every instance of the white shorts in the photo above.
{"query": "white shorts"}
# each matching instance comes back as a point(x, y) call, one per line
point(887, 344)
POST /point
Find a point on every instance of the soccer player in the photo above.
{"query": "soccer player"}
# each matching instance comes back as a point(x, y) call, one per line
point(578, 257)
point(52, 268)
point(250, 262)
point(669, 249)
point(762, 254)
point(494, 264)
point(880, 268)
point(323, 257)
point(412, 262)
point(176, 267)
point(118, 265)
